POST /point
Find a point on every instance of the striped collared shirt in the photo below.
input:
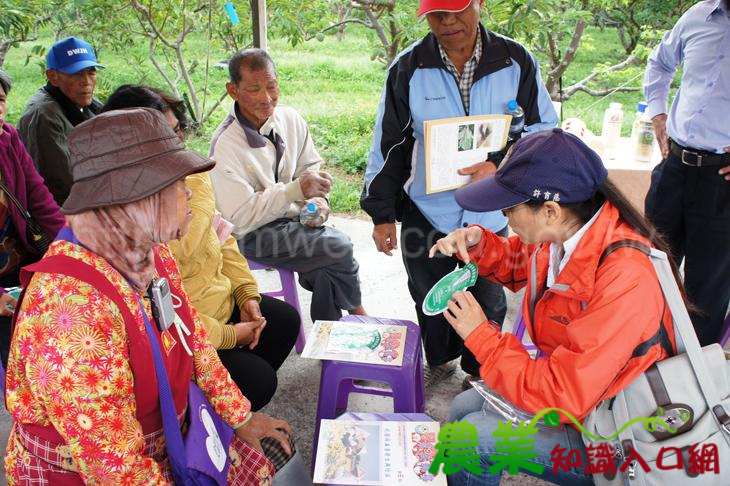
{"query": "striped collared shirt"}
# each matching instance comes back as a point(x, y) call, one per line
point(466, 79)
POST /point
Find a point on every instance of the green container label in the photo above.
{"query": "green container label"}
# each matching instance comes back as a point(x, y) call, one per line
point(437, 299)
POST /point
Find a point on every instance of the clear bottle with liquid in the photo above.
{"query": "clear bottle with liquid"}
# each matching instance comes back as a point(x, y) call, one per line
point(613, 118)
point(518, 119)
point(310, 213)
point(642, 134)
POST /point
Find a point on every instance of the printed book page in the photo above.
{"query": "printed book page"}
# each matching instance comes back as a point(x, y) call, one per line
point(357, 342)
point(455, 143)
point(377, 453)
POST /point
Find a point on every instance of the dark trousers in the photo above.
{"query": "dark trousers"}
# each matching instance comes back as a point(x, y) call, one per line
point(323, 258)
point(254, 370)
point(440, 341)
point(12, 280)
point(690, 206)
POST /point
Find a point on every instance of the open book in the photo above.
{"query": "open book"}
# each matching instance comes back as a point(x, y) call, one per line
point(455, 143)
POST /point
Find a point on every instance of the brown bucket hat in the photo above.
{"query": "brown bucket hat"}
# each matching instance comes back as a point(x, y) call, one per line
point(122, 156)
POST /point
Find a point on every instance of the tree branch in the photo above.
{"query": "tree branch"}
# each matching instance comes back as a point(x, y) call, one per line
point(570, 52)
point(605, 92)
point(582, 84)
point(215, 106)
point(153, 60)
point(616, 67)
point(337, 25)
point(377, 27)
point(147, 13)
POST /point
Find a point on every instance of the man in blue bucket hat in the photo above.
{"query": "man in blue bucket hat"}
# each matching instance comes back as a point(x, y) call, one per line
point(64, 102)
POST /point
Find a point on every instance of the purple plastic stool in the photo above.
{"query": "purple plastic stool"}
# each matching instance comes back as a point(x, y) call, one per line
point(406, 381)
point(289, 292)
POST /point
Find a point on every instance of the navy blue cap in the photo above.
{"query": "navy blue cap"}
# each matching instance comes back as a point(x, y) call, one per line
point(71, 55)
point(550, 165)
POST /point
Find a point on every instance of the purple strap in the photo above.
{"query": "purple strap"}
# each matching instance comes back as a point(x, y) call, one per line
point(170, 424)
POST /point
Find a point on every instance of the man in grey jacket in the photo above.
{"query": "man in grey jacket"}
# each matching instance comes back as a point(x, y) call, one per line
point(64, 102)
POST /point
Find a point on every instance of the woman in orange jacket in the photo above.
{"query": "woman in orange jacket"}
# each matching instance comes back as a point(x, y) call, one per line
point(594, 307)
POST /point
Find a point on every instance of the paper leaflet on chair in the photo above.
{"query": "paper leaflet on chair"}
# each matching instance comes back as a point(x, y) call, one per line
point(377, 453)
point(357, 342)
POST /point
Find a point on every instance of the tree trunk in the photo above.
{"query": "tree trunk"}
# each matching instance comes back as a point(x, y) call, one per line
point(4, 48)
point(553, 77)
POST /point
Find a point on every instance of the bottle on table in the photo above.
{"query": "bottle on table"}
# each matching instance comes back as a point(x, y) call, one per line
point(613, 118)
point(518, 119)
point(642, 134)
point(310, 213)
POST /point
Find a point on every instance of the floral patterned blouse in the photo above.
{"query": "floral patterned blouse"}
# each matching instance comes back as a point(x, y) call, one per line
point(69, 368)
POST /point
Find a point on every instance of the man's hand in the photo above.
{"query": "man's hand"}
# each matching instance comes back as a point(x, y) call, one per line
point(248, 333)
point(660, 130)
point(261, 425)
point(480, 170)
point(5, 301)
point(464, 314)
point(457, 242)
point(315, 184)
point(385, 238)
point(324, 212)
point(726, 170)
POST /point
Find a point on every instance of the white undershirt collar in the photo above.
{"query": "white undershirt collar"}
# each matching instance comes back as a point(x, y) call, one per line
point(559, 257)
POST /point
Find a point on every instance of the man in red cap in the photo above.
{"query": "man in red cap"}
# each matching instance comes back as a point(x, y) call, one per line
point(458, 69)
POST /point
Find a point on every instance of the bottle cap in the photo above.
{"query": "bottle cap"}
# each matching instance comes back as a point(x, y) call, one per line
point(641, 106)
point(512, 105)
point(311, 207)
point(615, 106)
point(437, 299)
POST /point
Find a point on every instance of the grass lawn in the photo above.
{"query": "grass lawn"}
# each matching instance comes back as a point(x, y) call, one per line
point(334, 85)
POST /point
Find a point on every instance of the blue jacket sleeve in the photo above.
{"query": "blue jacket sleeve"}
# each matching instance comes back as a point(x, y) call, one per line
point(388, 165)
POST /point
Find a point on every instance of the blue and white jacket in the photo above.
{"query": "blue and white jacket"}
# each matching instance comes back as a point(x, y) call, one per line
point(419, 87)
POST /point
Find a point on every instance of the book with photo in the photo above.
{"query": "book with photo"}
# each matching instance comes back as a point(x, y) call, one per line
point(454, 143)
point(377, 453)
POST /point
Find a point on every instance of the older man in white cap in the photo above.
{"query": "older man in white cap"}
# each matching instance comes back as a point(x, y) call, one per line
point(458, 69)
point(64, 102)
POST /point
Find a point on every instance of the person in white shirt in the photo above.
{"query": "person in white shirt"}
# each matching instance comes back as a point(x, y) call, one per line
point(267, 170)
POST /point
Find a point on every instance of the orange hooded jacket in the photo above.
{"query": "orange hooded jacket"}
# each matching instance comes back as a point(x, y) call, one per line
point(599, 325)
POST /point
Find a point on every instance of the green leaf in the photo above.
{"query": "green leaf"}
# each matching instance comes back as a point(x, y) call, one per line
point(660, 412)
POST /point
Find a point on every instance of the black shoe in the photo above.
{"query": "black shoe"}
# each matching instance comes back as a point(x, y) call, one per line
point(436, 374)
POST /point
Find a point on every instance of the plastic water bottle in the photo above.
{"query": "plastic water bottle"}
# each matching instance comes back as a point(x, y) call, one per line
point(310, 213)
point(518, 119)
point(612, 121)
point(642, 134)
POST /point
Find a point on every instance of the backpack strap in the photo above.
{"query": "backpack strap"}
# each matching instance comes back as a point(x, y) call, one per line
point(661, 336)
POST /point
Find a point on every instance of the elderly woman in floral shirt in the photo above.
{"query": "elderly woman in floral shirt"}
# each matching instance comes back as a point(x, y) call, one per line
point(81, 384)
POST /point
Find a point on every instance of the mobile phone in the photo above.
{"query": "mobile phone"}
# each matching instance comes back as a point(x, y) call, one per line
point(162, 308)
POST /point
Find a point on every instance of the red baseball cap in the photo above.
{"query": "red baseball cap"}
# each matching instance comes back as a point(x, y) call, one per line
point(428, 6)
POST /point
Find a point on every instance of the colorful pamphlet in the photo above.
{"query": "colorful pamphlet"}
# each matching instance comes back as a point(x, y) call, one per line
point(358, 342)
point(437, 299)
point(377, 453)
